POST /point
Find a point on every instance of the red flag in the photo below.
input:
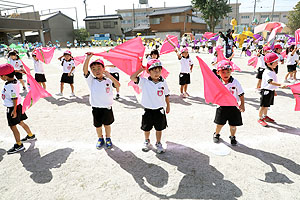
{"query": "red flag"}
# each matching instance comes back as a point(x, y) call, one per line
point(45, 54)
point(127, 57)
point(209, 35)
point(221, 57)
point(253, 61)
point(36, 91)
point(214, 91)
point(169, 44)
point(296, 92)
point(79, 60)
point(297, 36)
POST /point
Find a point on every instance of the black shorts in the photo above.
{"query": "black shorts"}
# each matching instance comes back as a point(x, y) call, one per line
point(40, 78)
point(20, 117)
point(103, 116)
point(19, 75)
point(244, 49)
point(228, 113)
point(266, 98)
point(116, 76)
point(260, 72)
point(197, 47)
point(292, 68)
point(67, 79)
point(184, 78)
point(156, 118)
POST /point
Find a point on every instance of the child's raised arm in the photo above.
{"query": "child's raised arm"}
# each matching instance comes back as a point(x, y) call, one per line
point(134, 76)
point(86, 63)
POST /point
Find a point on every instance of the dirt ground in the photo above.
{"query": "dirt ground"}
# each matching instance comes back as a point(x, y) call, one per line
point(64, 163)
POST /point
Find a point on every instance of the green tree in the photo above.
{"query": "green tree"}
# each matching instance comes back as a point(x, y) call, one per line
point(212, 11)
point(294, 16)
point(81, 34)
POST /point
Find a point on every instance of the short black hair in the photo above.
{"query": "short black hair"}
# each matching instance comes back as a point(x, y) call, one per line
point(14, 53)
point(159, 67)
point(155, 52)
point(96, 63)
point(11, 75)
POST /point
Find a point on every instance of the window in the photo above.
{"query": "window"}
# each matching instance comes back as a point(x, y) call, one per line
point(126, 21)
point(129, 14)
point(155, 21)
point(175, 19)
point(275, 16)
point(284, 16)
point(108, 24)
point(94, 25)
point(189, 19)
point(264, 16)
point(246, 17)
point(115, 23)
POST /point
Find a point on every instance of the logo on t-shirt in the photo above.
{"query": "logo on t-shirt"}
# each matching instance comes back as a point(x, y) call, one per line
point(3, 96)
point(160, 92)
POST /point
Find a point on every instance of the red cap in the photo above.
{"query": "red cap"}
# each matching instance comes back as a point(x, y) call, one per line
point(6, 69)
point(97, 61)
point(271, 57)
point(277, 46)
point(223, 64)
point(184, 50)
point(68, 52)
point(267, 48)
point(153, 63)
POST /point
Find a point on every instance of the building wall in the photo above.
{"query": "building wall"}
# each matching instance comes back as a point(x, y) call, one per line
point(247, 18)
point(61, 29)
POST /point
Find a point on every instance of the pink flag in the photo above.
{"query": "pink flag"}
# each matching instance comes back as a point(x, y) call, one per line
point(169, 44)
point(127, 57)
point(45, 54)
point(36, 91)
point(283, 54)
point(296, 92)
point(214, 91)
point(297, 36)
point(274, 32)
point(221, 57)
point(79, 60)
point(253, 61)
point(164, 74)
point(209, 35)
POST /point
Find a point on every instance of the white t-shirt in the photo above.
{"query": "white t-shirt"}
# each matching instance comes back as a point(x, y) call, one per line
point(235, 88)
point(67, 65)
point(183, 41)
point(214, 60)
point(269, 75)
point(153, 94)
point(186, 64)
point(17, 64)
point(113, 69)
point(261, 42)
point(38, 67)
point(291, 60)
point(11, 91)
point(209, 44)
point(261, 62)
point(101, 92)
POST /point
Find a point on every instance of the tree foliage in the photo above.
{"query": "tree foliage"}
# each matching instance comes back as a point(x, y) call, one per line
point(294, 18)
point(212, 11)
point(81, 34)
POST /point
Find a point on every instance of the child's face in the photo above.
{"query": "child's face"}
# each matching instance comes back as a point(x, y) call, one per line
point(35, 58)
point(67, 56)
point(14, 57)
point(97, 70)
point(155, 73)
point(3, 77)
point(279, 50)
point(225, 74)
point(273, 65)
point(154, 56)
point(185, 54)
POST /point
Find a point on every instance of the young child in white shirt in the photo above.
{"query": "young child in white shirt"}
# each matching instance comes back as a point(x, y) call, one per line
point(39, 71)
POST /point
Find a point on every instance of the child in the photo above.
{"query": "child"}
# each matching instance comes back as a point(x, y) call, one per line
point(268, 86)
point(68, 68)
point(232, 114)
point(244, 47)
point(292, 60)
point(154, 54)
point(39, 71)
point(12, 100)
point(155, 97)
point(186, 69)
point(278, 50)
point(115, 72)
point(214, 64)
point(101, 98)
point(14, 60)
point(262, 66)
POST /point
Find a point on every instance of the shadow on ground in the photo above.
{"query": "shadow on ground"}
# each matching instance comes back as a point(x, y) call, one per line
point(63, 100)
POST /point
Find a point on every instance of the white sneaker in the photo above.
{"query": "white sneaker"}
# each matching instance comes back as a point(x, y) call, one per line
point(59, 94)
point(72, 95)
point(159, 148)
point(187, 94)
point(147, 146)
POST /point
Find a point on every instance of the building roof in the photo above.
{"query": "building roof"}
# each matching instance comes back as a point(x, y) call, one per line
point(102, 17)
point(198, 20)
point(141, 27)
point(171, 10)
point(51, 15)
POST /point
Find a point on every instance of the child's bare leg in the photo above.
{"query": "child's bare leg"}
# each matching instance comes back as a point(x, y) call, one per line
point(107, 131)
point(16, 134)
point(232, 130)
point(118, 89)
point(99, 132)
point(258, 83)
point(61, 87)
point(72, 88)
point(158, 136)
point(22, 82)
point(262, 111)
point(294, 75)
point(40, 83)
point(218, 128)
point(147, 135)
point(44, 85)
point(181, 89)
point(26, 128)
point(185, 87)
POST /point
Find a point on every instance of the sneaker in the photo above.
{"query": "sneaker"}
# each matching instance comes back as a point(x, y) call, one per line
point(159, 148)
point(72, 95)
point(117, 97)
point(16, 148)
point(182, 95)
point(28, 138)
point(286, 81)
point(187, 94)
point(59, 94)
point(268, 119)
point(100, 143)
point(262, 122)
point(233, 140)
point(108, 143)
point(216, 138)
point(24, 89)
point(147, 146)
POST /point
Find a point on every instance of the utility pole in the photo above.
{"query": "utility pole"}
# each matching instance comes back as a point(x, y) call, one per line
point(84, 1)
point(273, 10)
point(133, 15)
point(254, 10)
point(229, 16)
point(104, 9)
